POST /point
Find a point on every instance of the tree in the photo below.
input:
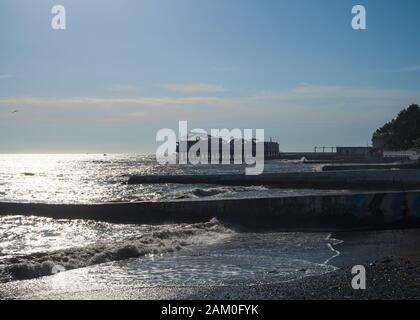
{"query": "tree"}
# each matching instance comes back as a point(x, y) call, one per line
point(403, 132)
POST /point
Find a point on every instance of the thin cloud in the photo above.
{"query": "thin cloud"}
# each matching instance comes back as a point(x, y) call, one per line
point(315, 92)
point(300, 93)
point(223, 69)
point(116, 102)
point(6, 76)
point(307, 103)
point(196, 88)
point(125, 88)
point(408, 69)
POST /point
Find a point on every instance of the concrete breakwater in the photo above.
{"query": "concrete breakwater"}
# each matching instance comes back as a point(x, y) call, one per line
point(354, 179)
point(308, 155)
point(400, 166)
point(300, 212)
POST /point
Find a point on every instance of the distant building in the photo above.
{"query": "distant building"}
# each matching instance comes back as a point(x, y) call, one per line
point(354, 153)
point(271, 150)
point(225, 150)
point(402, 155)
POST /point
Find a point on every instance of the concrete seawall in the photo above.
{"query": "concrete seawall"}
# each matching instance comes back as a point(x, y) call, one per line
point(328, 211)
point(355, 179)
point(308, 155)
point(400, 166)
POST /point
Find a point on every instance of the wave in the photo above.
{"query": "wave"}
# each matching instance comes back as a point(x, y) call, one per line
point(167, 240)
point(29, 174)
point(212, 192)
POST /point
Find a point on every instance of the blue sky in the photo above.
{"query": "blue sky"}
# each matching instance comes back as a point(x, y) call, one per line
point(124, 69)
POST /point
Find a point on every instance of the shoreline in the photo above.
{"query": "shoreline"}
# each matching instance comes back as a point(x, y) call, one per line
point(391, 259)
point(388, 279)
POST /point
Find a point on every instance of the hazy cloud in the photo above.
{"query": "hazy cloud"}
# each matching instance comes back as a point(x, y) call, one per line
point(116, 102)
point(223, 69)
point(314, 92)
point(196, 88)
point(125, 88)
point(6, 76)
point(302, 104)
point(301, 93)
point(408, 69)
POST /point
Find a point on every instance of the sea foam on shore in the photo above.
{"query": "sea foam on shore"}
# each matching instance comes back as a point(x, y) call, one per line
point(98, 243)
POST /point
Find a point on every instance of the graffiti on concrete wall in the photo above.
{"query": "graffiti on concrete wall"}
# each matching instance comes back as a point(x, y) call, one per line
point(390, 207)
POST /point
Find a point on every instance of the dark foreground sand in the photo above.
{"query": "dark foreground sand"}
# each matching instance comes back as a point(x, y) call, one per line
point(391, 259)
point(390, 278)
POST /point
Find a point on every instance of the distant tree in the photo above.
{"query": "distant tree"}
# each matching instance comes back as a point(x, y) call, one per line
point(403, 132)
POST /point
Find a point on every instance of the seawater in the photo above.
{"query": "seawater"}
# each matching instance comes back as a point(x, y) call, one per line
point(98, 255)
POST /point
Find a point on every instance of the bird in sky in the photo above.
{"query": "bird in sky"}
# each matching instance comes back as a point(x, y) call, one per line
point(15, 111)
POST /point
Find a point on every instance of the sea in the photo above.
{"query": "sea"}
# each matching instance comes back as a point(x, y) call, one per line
point(45, 257)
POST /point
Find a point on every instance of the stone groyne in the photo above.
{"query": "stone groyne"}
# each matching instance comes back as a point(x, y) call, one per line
point(400, 166)
point(370, 209)
point(352, 180)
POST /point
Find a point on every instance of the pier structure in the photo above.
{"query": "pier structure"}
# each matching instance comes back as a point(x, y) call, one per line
point(218, 149)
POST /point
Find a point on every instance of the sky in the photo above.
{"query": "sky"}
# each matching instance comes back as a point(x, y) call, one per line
point(122, 70)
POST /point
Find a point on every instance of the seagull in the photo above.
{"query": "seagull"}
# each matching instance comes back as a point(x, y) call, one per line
point(15, 111)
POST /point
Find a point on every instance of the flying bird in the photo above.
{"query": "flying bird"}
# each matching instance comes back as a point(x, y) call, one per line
point(15, 111)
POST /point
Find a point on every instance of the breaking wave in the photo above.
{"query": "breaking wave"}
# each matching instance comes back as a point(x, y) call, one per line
point(219, 192)
point(168, 239)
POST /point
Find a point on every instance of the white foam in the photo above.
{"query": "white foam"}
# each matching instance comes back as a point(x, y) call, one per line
point(168, 239)
point(331, 242)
